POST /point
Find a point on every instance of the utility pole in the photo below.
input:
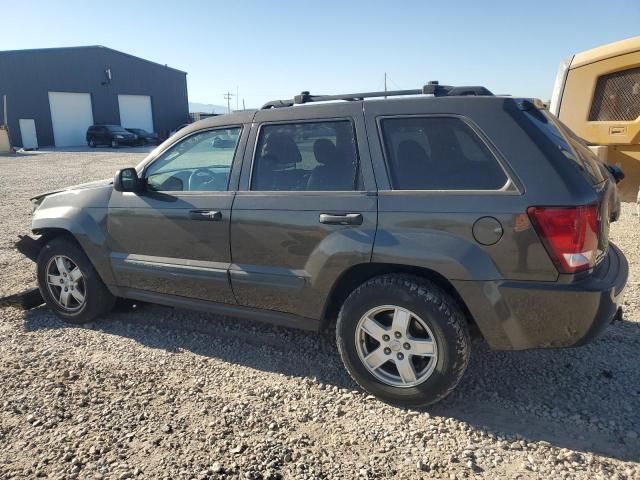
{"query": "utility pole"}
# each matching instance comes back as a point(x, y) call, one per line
point(227, 96)
point(237, 98)
point(243, 107)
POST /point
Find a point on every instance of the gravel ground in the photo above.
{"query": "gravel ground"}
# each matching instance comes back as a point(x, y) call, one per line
point(155, 392)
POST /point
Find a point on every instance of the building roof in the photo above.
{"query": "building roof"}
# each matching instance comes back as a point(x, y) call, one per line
point(606, 51)
point(59, 49)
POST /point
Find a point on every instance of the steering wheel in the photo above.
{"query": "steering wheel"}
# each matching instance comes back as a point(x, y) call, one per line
point(199, 177)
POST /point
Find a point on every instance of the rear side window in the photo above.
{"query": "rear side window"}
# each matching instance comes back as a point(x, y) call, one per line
point(571, 146)
point(306, 156)
point(438, 153)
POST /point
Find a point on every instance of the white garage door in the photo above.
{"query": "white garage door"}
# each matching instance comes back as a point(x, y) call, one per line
point(71, 115)
point(135, 112)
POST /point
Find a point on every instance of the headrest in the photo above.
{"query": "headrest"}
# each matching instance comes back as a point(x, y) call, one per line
point(282, 148)
point(325, 151)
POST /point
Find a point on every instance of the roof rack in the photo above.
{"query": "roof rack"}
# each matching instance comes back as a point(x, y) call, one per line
point(431, 88)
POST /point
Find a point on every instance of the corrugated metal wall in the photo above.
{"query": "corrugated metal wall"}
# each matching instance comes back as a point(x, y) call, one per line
point(27, 76)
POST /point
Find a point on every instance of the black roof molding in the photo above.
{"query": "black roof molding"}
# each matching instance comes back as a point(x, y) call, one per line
point(431, 88)
point(55, 49)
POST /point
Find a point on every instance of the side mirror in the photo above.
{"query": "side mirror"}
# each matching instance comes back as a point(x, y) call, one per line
point(126, 180)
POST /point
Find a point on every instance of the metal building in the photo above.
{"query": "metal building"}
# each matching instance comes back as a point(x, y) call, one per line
point(54, 94)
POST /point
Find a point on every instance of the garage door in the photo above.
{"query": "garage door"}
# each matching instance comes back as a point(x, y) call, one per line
point(71, 115)
point(135, 112)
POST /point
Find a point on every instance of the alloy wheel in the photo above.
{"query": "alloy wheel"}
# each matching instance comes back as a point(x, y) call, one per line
point(65, 283)
point(396, 346)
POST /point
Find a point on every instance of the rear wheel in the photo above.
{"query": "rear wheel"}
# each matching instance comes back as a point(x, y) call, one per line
point(403, 339)
point(69, 284)
point(114, 143)
point(92, 143)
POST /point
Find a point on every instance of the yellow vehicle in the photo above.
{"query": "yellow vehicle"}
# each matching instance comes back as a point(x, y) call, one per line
point(597, 94)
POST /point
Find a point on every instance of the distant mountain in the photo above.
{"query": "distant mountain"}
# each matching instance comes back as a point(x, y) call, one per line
point(206, 108)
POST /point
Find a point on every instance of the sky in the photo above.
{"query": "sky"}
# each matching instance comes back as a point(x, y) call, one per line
point(270, 50)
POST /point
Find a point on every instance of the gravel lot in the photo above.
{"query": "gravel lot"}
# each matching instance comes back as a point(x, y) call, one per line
point(163, 393)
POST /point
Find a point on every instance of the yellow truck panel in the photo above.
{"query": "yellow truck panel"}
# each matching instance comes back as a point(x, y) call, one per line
point(597, 94)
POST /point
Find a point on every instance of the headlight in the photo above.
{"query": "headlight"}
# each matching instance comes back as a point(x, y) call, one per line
point(558, 86)
point(119, 136)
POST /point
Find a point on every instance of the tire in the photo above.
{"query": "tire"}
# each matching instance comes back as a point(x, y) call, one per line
point(114, 144)
point(97, 300)
point(433, 317)
point(92, 143)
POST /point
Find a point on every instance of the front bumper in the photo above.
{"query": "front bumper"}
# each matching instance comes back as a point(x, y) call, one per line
point(523, 315)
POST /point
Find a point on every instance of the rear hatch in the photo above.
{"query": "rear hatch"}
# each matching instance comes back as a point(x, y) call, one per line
point(593, 170)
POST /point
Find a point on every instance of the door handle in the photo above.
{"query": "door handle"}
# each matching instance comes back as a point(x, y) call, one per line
point(211, 215)
point(341, 218)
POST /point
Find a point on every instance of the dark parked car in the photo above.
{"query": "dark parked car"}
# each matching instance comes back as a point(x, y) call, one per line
point(409, 221)
point(144, 137)
point(111, 135)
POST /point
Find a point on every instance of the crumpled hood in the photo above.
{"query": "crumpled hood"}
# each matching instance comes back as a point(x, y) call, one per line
point(82, 186)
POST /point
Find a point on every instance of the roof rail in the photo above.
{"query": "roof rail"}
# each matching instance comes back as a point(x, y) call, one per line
point(432, 88)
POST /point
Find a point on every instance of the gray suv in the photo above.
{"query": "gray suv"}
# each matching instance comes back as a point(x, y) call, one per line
point(413, 220)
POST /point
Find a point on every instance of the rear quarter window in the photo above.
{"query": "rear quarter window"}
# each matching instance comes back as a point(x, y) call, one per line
point(438, 153)
point(572, 147)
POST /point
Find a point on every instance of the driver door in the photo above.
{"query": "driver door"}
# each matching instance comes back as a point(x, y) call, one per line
point(173, 238)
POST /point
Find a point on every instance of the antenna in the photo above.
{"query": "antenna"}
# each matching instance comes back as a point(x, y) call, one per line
point(385, 84)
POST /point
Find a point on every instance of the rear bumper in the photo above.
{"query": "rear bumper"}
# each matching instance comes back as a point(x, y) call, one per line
point(523, 315)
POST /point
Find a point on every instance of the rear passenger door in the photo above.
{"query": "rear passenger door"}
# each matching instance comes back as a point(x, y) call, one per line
point(306, 209)
point(104, 137)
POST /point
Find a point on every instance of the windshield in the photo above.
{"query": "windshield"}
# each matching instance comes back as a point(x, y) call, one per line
point(116, 128)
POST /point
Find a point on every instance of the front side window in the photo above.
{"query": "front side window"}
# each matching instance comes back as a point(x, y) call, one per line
point(438, 153)
point(307, 156)
point(199, 163)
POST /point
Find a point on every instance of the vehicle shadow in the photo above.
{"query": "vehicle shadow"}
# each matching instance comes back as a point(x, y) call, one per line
point(582, 399)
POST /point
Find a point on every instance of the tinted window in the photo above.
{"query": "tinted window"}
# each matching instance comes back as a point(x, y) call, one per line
point(115, 128)
point(200, 162)
point(305, 156)
point(438, 153)
point(571, 146)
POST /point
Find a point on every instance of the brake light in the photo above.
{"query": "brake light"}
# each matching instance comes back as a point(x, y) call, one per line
point(570, 235)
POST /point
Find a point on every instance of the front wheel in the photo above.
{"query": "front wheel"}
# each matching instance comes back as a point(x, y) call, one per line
point(114, 144)
point(69, 284)
point(403, 339)
point(92, 143)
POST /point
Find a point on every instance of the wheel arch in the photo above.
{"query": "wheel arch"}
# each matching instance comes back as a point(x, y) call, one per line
point(81, 240)
point(359, 274)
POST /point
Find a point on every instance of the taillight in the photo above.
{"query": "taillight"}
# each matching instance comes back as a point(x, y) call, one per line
point(570, 235)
